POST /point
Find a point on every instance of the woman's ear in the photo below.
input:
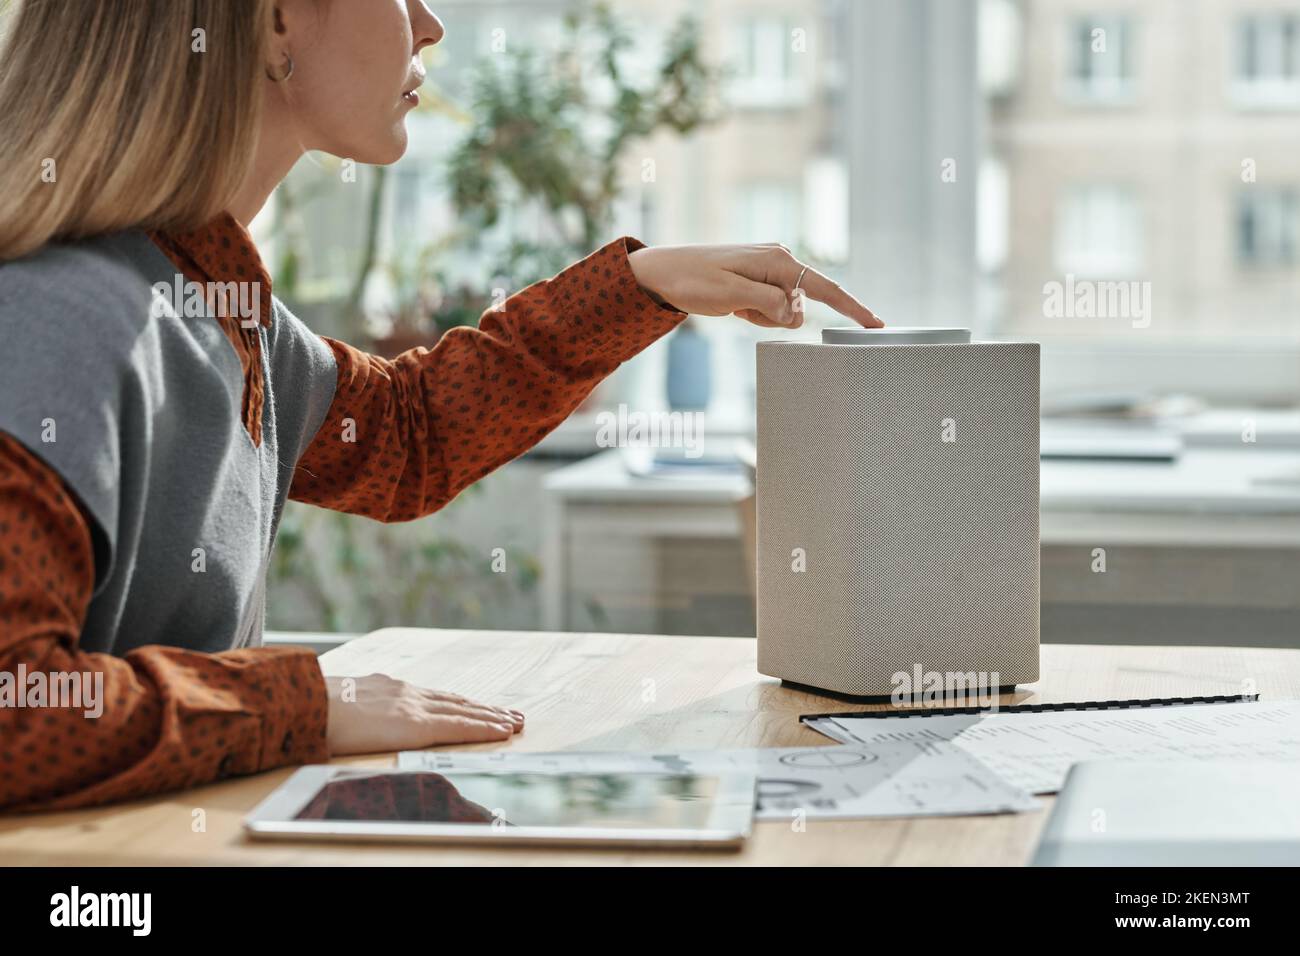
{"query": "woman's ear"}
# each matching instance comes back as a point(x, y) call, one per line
point(281, 59)
point(293, 20)
point(278, 51)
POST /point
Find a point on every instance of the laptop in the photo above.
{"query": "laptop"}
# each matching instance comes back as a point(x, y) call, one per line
point(1195, 813)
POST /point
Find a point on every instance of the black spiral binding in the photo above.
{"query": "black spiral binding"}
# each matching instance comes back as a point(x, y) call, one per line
point(1038, 708)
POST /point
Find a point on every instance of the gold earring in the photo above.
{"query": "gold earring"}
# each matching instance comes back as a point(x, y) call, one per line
point(287, 73)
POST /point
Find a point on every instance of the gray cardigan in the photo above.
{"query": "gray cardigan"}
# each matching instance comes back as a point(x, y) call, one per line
point(141, 417)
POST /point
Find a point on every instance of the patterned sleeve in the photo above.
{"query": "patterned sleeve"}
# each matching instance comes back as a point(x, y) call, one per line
point(107, 728)
point(404, 436)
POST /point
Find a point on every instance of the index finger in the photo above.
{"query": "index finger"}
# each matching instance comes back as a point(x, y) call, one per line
point(817, 286)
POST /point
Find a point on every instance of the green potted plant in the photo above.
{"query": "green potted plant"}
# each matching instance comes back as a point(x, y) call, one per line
point(540, 135)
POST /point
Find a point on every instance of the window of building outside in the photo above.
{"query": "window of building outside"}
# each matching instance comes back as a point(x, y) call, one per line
point(1267, 224)
point(766, 209)
point(767, 69)
point(1267, 68)
point(1099, 232)
point(1100, 62)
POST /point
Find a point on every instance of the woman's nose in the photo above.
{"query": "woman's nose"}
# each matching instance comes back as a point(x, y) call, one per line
point(426, 26)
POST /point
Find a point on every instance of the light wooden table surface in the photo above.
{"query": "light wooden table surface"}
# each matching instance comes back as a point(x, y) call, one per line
point(639, 693)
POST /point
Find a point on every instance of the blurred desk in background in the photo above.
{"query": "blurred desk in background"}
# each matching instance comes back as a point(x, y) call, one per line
point(627, 552)
point(1201, 550)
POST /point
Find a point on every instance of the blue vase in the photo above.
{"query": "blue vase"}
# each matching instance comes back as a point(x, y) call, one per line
point(689, 370)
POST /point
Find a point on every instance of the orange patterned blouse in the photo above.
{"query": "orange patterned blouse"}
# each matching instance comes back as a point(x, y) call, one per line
point(426, 424)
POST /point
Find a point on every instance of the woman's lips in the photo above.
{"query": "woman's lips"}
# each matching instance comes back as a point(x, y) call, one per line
point(412, 96)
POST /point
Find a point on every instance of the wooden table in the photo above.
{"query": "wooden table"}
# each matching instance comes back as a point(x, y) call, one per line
point(640, 693)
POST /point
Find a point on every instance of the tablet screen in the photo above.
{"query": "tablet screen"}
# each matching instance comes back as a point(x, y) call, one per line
point(614, 800)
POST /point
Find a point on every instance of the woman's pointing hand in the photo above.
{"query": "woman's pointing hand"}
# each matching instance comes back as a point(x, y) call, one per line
point(756, 282)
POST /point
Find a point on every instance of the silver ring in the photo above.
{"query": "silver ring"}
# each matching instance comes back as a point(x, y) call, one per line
point(797, 281)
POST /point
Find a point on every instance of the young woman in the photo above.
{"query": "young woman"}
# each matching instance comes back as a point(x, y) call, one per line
point(146, 452)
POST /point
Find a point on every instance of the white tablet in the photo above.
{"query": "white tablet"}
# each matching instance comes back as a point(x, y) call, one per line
point(341, 803)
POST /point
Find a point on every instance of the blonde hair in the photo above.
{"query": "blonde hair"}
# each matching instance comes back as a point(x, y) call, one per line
point(124, 114)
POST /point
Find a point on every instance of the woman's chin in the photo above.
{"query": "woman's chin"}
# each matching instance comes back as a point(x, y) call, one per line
point(398, 142)
point(384, 150)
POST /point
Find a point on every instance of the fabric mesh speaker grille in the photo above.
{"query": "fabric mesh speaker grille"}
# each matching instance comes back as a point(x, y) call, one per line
point(908, 476)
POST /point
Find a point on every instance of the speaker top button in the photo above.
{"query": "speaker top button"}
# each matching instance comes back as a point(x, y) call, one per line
point(898, 335)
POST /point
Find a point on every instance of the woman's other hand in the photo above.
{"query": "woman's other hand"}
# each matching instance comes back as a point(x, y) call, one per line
point(756, 282)
point(378, 714)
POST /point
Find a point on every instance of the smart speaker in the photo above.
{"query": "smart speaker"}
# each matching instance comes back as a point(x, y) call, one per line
point(897, 499)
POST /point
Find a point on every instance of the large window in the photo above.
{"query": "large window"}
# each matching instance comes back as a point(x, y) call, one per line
point(944, 160)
